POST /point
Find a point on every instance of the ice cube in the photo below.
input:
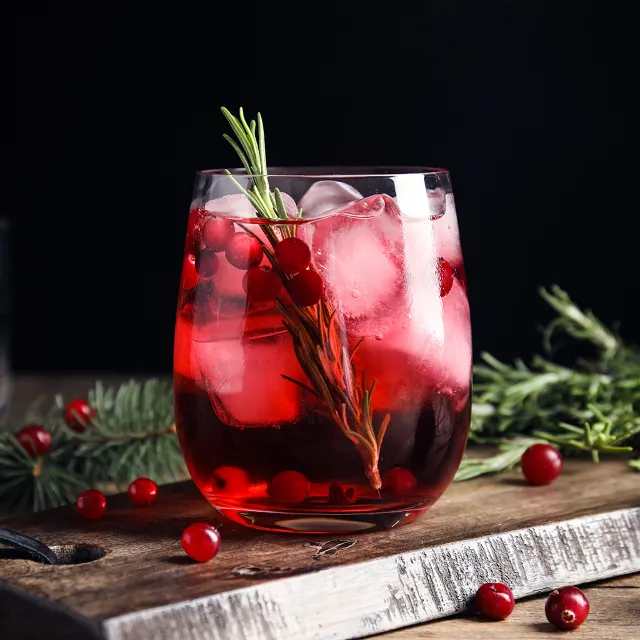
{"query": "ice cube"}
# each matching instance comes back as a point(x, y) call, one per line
point(357, 250)
point(325, 195)
point(410, 364)
point(447, 234)
point(244, 382)
point(290, 205)
point(236, 205)
point(437, 203)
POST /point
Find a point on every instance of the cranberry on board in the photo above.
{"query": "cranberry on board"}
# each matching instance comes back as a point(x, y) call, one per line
point(201, 541)
point(216, 233)
point(306, 288)
point(78, 414)
point(541, 464)
point(293, 255)
point(143, 491)
point(261, 284)
point(35, 440)
point(494, 600)
point(91, 504)
point(289, 487)
point(445, 274)
point(566, 608)
point(244, 251)
point(399, 482)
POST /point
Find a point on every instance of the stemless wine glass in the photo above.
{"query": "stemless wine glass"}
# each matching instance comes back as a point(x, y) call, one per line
point(323, 354)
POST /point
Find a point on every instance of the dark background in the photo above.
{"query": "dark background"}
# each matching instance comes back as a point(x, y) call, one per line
point(530, 106)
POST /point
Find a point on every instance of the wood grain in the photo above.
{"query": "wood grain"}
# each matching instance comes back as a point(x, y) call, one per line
point(584, 527)
point(615, 605)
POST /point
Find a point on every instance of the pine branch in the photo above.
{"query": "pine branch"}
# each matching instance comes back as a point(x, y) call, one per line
point(133, 435)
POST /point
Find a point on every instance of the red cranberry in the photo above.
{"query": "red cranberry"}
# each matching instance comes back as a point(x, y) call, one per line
point(91, 504)
point(201, 541)
point(445, 274)
point(566, 608)
point(78, 414)
point(293, 255)
point(339, 494)
point(35, 439)
point(399, 482)
point(541, 464)
point(143, 491)
point(289, 487)
point(306, 288)
point(207, 263)
point(194, 233)
point(262, 284)
point(244, 251)
point(229, 481)
point(216, 233)
point(494, 600)
point(189, 273)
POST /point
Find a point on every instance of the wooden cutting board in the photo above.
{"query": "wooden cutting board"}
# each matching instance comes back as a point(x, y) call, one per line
point(584, 527)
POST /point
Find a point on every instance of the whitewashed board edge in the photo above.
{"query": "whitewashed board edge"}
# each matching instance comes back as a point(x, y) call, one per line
point(361, 599)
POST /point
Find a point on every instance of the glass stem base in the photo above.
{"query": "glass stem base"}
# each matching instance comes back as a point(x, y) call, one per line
point(322, 523)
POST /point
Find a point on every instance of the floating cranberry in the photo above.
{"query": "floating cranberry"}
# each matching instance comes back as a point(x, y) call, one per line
point(201, 541)
point(244, 251)
point(566, 608)
point(541, 464)
point(35, 439)
point(339, 494)
point(445, 275)
point(399, 482)
point(189, 272)
point(194, 234)
point(229, 481)
point(262, 284)
point(78, 414)
point(289, 487)
point(143, 491)
point(207, 263)
point(91, 504)
point(293, 255)
point(216, 233)
point(494, 600)
point(306, 288)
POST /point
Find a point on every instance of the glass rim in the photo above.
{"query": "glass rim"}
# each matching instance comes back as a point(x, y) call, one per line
point(332, 173)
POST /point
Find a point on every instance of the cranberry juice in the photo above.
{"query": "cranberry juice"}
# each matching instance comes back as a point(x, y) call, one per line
point(385, 306)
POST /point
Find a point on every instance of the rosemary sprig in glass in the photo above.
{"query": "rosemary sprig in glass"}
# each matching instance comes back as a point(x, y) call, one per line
point(318, 332)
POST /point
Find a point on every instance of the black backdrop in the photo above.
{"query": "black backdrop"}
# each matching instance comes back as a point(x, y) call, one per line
point(529, 104)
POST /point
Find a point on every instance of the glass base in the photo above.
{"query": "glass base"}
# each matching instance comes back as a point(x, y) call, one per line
point(319, 523)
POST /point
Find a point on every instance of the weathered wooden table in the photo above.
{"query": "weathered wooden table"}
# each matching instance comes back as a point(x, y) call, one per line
point(583, 528)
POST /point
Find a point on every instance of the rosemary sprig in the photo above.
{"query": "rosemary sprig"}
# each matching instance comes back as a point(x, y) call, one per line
point(591, 407)
point(318, 333)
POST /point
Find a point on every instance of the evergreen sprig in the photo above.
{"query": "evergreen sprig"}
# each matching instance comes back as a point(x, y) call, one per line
point(591, 407)
point(132, 435)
